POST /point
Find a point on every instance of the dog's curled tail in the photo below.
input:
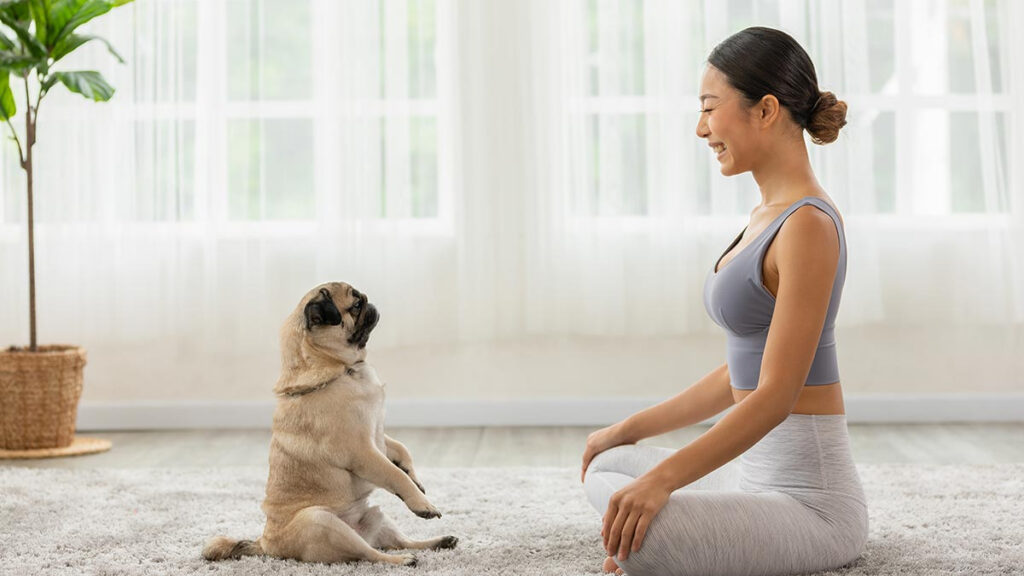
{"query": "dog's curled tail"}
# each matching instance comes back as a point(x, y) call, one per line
point(221, 547)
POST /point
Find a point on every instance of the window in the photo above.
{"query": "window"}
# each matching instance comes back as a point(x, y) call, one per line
point(163, 56)
point(937, 107)
point(283, 102)
point(260, 110)
point(925, 82)
point(617, 111)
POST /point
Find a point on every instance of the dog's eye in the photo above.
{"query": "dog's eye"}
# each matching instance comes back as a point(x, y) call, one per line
point(357, 305)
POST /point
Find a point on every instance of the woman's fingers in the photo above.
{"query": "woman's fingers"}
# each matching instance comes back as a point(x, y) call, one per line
point(641, 531)
point(628, 529)
point(587, 457)
point(606, 524)
point(615, 535)
point(588, 454)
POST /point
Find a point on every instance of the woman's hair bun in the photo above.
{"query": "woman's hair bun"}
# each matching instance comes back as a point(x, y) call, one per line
point(827, 118)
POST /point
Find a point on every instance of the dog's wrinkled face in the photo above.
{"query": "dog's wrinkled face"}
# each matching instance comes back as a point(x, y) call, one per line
point(338, 314)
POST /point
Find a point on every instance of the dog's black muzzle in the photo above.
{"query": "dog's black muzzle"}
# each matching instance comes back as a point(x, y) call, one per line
point(364, 325)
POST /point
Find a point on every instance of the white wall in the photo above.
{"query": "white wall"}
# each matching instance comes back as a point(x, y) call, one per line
point(873, 361)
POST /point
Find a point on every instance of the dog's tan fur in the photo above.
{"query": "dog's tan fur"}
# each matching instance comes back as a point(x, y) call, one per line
point(329, 451)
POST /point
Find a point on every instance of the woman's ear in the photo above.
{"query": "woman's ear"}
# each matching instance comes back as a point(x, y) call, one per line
point(767, 110)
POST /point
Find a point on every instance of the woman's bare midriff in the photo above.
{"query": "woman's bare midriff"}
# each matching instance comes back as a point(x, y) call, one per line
point(826, 399)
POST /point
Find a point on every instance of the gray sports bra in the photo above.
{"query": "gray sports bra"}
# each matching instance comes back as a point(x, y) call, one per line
point(736, 299)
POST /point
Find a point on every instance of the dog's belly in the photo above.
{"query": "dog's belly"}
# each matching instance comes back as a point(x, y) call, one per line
point(294, 484)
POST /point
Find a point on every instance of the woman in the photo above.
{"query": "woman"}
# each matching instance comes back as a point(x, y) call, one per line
point(794, 503)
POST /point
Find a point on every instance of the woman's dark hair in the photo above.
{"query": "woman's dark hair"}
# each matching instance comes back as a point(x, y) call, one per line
point(759, 61)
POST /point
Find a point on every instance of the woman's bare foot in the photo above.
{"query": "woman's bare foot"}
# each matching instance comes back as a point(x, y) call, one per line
point(610, 566)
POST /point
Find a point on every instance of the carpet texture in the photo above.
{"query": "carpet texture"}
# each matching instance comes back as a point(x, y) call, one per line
point(535, 521)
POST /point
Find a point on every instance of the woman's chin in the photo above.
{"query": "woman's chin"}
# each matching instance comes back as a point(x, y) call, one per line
point(728, 167)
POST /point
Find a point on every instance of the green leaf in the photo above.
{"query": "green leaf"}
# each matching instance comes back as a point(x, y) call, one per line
point(61, 11)
point(21, 29)
point(6, 43)
point(67, 15)
point(73, 41)
point(7, 107)
point(16, 61)
point(87, 83)
point(16, 9)
point(40, 11)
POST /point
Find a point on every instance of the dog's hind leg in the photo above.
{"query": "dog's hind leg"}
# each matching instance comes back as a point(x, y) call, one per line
point(380, 532)
point(316, 534)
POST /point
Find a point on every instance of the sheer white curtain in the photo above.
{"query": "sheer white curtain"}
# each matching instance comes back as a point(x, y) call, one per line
point(253, 149)
point(932, 143)
point(635, 211)
point(501, 172)
point(639, 211)
point(628, 214)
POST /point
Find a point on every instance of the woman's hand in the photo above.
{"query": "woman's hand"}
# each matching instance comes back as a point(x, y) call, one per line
point(630, 511)
point(601, 440)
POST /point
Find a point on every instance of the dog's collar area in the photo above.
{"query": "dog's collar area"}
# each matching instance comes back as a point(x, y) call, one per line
point(310, 390)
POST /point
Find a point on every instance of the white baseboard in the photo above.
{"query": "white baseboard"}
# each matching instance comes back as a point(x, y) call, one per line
point(537, 412)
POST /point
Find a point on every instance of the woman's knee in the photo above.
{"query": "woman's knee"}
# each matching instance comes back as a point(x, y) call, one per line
point(610, 460)
point(599, 485)
point(629, 459)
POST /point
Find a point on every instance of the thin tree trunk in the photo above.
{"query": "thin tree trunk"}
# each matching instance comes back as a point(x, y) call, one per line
point(30, 137)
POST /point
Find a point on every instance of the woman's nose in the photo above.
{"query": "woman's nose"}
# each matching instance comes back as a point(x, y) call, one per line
point(702, 128)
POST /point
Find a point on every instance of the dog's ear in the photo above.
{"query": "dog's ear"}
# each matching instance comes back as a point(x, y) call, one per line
point(322, 311)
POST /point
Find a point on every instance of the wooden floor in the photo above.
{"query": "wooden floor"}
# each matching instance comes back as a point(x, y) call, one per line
point(472, 447)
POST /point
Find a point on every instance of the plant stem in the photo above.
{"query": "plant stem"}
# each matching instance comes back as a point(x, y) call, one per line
point(30, 140)
point(39, 96)
point(14, 133)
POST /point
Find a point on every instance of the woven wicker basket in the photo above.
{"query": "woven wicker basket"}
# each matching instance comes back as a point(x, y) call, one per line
point(39, 394)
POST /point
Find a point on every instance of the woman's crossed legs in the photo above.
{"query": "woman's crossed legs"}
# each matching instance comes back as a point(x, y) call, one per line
point(714, 527)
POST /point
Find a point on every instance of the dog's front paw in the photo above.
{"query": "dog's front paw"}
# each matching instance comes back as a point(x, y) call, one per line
point(408, 560)
point(446, 542)
point(409, 473)
point(428, 514)
point(425, 510)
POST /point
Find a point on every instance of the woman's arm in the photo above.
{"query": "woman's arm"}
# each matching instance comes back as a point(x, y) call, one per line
point(707, 397)
point(808, 255)
point(702, 400)
point(807, 258)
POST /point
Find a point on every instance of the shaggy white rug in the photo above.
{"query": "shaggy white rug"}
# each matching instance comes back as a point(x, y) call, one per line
point(536, 521)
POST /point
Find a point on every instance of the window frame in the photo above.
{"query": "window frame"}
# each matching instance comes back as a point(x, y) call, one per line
point(212, 110)
point(903, 104)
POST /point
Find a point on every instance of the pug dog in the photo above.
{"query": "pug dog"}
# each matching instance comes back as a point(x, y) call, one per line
point(329, 451)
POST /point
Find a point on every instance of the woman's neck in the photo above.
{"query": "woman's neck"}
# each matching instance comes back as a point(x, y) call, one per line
point(785, 175)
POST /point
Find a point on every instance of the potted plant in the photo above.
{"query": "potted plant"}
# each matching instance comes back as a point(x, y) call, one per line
point(40, 385)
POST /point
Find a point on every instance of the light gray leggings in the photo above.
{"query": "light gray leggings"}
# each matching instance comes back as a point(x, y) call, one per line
point(792, 504)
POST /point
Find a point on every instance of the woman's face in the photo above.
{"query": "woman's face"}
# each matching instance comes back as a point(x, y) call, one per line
point(726, 123)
